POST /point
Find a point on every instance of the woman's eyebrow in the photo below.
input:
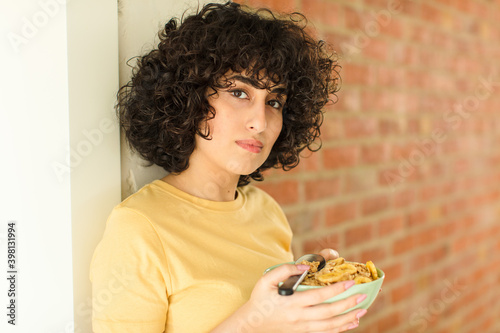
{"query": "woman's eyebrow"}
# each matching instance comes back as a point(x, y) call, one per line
point(280, 90)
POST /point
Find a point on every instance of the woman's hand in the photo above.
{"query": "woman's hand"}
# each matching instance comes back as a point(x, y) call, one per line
point(267, 311)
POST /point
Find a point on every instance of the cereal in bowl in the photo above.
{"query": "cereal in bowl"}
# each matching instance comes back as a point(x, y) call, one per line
point(337, 270)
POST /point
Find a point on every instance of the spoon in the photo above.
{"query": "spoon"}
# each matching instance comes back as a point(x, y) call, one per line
point(289, 286)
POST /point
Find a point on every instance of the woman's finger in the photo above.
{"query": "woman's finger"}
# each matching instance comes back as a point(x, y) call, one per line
point(329, 310)
point(344, 328)
point(272, 278)
point(319, 295)
point(341, 323)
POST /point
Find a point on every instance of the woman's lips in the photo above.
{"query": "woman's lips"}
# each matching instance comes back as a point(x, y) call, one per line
point(254, 146)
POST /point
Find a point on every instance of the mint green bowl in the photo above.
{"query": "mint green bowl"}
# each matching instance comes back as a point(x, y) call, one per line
point(371, 289)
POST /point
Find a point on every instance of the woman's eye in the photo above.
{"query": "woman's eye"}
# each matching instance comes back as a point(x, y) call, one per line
point(239, 93)
point(275, 104)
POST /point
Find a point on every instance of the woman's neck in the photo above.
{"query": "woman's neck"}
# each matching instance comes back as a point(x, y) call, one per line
point(205, 185)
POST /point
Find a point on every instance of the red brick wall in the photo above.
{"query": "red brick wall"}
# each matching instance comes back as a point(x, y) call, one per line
point(409, 172)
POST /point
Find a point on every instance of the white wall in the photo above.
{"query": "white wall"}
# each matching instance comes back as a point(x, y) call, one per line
point(60, 154)
point(33, 135)
point(95, 179)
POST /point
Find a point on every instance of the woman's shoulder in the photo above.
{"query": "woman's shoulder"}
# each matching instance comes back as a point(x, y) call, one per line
point(257, 195)
point(136, 206)
point(147, 196)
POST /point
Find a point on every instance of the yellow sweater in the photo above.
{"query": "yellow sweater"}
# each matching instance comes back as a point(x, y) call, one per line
point(172, 262)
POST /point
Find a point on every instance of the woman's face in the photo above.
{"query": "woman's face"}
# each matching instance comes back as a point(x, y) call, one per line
point(247, 122)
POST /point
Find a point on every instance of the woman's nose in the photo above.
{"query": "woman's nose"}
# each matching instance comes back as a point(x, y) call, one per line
point(257, 121)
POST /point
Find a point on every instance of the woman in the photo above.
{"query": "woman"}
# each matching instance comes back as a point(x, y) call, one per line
point(226, 95)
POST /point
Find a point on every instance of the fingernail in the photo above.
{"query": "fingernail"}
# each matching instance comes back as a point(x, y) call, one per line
point(361, 313)
point(349, 284)
point(303, 267)
point(353, 325)
point(334, 253)
point(361, 299)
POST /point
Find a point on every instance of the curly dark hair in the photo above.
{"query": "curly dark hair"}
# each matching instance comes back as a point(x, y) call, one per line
point(162, 107)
